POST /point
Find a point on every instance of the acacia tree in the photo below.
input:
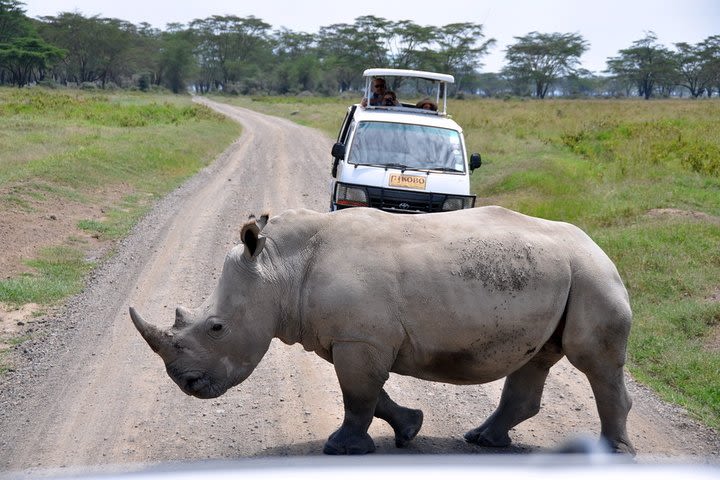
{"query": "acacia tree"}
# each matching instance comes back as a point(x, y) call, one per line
point(690, 62)
point(371, 41)
point(297, 67)
point(145, 52)
point(645, 64)
point(13, 22)
point(82, 38)
point(710, 52)
point(345, 55)
point(490, 85)
point(541, 58)
point(231, 49)
point(403, 42)
point(175, 63)
point(23, 54)
point(371, 34)
point(459, 50)
point(113, 50)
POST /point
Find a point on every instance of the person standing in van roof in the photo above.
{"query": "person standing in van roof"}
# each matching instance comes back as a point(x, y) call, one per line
point(379, 88)
point(389, 99)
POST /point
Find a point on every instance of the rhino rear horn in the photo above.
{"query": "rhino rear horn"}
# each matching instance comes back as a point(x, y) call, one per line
point(251, 238)
point(155, 337)
point(262, 221)
point(181, 318)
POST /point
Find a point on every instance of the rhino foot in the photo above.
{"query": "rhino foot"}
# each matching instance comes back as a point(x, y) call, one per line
point(408, 427)
point(623, 447)
point(484, 437)
point(343, 443)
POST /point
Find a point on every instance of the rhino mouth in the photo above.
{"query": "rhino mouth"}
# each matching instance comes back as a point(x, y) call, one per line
point(198, 384)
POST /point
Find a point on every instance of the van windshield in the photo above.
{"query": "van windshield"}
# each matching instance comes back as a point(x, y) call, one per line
point(401, 145)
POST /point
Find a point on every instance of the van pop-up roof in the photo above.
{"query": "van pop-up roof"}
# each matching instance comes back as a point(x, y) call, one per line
point(439, 79)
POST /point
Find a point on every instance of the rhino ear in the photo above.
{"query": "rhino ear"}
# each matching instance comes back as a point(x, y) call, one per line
point(250, 236)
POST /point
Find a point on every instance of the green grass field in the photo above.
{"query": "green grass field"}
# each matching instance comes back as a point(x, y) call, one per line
point(121, 151)
point(642, 178)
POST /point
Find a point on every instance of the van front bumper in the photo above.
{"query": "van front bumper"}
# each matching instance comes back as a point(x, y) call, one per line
point(348, 195)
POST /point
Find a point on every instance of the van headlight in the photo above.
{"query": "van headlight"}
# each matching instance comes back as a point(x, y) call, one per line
point(458, 203)
point(351, 196)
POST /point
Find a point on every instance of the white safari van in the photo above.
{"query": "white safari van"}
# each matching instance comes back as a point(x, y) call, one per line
point(403, 158)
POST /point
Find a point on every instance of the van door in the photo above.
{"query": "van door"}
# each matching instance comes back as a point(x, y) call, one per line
point(342, 136)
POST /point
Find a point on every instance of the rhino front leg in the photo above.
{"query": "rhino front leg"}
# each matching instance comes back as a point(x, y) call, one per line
point(406, 422)
point(519, 401)
point(361, 372)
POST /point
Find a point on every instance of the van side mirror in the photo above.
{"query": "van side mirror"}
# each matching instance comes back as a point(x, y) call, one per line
point(338, 151)
point(475, 161)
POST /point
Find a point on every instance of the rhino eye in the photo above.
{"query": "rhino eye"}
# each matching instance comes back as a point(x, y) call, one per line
point(216, 328)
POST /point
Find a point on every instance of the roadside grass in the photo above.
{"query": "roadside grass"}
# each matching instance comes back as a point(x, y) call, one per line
point(608, 166)
point(670, 267)
point(59, 272)
point(119, 220)
point(120, 150)
point(604, 165)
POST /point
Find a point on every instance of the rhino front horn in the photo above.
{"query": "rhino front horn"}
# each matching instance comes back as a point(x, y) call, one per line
point(152, 335)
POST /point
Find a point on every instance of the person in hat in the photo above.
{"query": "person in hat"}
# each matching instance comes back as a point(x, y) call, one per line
point(426, 104)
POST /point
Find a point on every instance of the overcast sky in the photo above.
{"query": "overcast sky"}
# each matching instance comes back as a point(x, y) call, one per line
point(608, 25)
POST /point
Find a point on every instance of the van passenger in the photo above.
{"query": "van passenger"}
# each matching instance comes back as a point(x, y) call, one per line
point(379, 88)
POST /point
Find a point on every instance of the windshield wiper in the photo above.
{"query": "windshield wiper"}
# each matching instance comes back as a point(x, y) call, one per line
point(396, 165)
point(400, 166)
point(445, 169)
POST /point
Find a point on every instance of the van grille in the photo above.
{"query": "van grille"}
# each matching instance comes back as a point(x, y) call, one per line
point(405, 201)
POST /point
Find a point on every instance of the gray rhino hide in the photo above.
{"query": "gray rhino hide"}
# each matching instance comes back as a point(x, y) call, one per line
point(464, 297)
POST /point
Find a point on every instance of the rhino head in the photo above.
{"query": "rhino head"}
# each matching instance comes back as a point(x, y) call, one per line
point(211, 349)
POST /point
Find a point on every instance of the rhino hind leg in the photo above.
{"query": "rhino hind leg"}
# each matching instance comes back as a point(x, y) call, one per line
point(520, 399)
point(362, 370)
point(595, 342)
point(613, 404)
point(613, 401)
point(405, 422)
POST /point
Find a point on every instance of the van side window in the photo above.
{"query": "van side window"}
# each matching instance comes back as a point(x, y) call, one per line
point(345, 129)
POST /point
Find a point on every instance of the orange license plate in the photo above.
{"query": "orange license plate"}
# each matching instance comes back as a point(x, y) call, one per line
point(407, 181)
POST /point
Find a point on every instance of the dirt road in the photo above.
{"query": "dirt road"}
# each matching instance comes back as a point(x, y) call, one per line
point(89, 394)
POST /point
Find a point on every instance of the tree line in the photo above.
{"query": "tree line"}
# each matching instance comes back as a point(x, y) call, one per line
point(245, 55)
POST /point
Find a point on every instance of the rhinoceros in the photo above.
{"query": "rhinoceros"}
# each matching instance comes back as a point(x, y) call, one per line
point(464, 297)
